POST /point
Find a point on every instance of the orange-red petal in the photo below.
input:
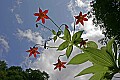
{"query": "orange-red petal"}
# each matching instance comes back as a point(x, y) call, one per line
point(40, 11)
point(85, 19)
point(43, 20)
point(36, 14)
point(38, 19)
point(46, 11)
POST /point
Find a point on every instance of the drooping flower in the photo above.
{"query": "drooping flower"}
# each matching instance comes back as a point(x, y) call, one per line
point(80, 18)
point(59, 65)
point(42, 15)
point(83, 43)
point(33, 51)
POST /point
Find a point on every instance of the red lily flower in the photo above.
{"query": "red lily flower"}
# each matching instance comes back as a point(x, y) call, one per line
point(42, 15)
point(33, 51)
point(83, 42)
point(59, 65)
point(81, 18)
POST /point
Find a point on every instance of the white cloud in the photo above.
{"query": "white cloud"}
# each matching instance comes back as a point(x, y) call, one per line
point(19, 20)
point(49, 57)
point(34, 37)
point(75, 6)
point(3, 44)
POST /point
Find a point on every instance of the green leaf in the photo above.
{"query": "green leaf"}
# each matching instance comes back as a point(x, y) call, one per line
point(69, 51)
point(119, 60)
point(54, 33)
point(78, 41)
point(92, 44)
point(98, 76)
point(63, 45)
point(58, 33)
point(79, 59)
point(67, 35)
point(55, 38)
point(109, 47)
point(115, 50)
point(93, 69)
point(77, 36)
point(100, 57)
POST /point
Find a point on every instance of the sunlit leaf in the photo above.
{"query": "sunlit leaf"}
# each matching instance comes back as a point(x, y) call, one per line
point(100, 57)
point(53, 32)
point(77, 36)
point(63, 45)
point(98, 76)
point(69, 51)
point(93, 69)
point(79, 59)
point(109, 47)
point(67, 35)
point(92, 44)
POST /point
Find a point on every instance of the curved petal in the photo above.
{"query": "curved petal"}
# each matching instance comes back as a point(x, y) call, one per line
point(46, 17)
point(85, 19)
point(80, 13)
point(30, 54)
point(36, 48)
point(36, 14)
point(38, 19)
point(63, 66)
point(35, 55)
point(82, 22)
point(40, 11)
point(84, 15)
point(43, 20)
point(28, 51)
point(76, 17)
point(77, 21)
point(46, 11)
point(37, 52)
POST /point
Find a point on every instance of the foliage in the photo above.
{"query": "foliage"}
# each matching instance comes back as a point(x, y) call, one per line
point(17, 73)
point(107, 16)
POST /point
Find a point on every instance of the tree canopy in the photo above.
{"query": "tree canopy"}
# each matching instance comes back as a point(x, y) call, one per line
point(17, 73)
point(107, 16)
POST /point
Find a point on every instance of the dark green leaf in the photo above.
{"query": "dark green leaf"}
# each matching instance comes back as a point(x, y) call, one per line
point(119, 60)
point(115, 50)
point(63, 45)
point(55, 38)
point(92, 44)
point(58, 33)
point(79, 59)
point(69, 51)
point(67, 35)
point(77, 36)
point(54, 33)
point(93, 69)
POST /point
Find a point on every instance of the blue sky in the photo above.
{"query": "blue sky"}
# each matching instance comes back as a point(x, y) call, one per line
point(18, 33)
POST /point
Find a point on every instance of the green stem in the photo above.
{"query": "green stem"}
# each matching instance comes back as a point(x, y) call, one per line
point(74, 26)
point(55, 24)
point(51, 47)
point(62, 25)
point(45, 27)
point(60, 55)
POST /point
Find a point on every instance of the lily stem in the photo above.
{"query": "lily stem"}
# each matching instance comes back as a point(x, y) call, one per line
point(55, 24)
point(60, 56)
point(45, 27)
